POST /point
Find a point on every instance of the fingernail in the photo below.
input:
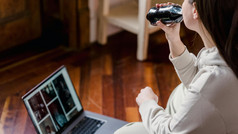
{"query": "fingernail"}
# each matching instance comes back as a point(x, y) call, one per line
point(158, 22)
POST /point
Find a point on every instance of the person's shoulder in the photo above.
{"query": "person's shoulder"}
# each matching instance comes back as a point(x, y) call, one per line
point(224, 76)
point(222, 86)
point(213, 76)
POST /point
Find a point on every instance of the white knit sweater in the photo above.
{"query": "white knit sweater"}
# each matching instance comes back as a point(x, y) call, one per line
point(211, 102)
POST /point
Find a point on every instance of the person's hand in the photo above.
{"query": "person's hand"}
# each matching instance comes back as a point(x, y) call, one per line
point(176, 46)
point(145, 95)
point(171, 30)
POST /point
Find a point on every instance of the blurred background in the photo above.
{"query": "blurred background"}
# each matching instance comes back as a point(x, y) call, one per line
point(108, 47)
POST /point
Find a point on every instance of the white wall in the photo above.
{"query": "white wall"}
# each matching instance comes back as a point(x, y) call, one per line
point(93, 7)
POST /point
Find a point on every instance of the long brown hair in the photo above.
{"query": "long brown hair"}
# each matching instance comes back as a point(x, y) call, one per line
point(220, 18)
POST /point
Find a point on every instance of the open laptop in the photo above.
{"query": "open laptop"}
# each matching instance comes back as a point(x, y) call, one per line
point(54, 107)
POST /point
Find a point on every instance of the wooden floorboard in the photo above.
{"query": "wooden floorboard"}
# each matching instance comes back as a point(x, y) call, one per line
point(106, 78)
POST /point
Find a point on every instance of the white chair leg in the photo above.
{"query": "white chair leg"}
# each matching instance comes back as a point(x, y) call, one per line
point(142, 46)
point(102, 21)
point(102, 31)
point(143, 33)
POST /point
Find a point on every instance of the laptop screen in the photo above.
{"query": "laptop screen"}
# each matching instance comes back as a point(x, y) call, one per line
point(53, 102)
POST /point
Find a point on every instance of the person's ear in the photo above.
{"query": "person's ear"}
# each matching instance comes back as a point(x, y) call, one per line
point(195, 12)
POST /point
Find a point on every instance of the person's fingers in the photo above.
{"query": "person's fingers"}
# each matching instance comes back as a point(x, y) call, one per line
point(147, 87)
point(172, 24)
point(162, 4)
point(142, 90)
point(137, 100)
point(178, 5)
point(157, 5)
point(169, 3)
point(161, 25)
point(157, 99)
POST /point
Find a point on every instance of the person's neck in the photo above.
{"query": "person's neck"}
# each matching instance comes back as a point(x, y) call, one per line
point(206, 38)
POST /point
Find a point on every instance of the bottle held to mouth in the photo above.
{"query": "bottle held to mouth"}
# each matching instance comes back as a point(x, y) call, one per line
point(166, 14)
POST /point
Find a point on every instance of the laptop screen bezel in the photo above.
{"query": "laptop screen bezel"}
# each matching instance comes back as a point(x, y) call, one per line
point(43, 82)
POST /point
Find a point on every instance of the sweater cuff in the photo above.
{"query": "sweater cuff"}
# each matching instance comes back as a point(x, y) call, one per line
point(150, 104)
point(181, 61)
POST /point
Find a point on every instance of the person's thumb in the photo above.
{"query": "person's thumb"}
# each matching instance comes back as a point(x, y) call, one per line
point(162, 26)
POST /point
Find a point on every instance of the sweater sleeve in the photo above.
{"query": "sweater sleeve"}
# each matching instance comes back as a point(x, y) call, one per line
point(185, 67)
point(196, 115)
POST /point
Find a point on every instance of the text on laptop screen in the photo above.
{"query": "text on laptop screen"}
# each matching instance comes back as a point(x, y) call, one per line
point(53, 102)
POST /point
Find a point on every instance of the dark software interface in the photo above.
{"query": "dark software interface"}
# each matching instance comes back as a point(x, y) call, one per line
point(53, 103)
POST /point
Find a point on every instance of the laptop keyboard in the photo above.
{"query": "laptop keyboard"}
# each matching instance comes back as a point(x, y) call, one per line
point(87, 126)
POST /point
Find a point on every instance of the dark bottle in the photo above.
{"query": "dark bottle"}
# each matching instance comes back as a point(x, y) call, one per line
point(166, 14)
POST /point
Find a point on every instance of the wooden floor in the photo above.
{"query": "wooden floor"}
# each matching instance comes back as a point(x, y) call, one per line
point(107, 79)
